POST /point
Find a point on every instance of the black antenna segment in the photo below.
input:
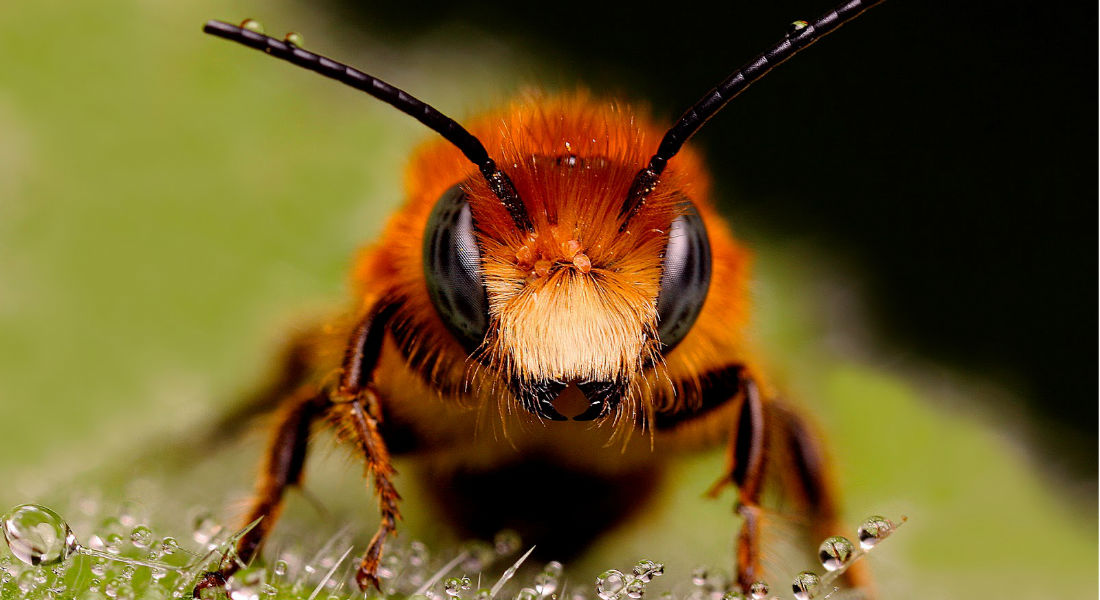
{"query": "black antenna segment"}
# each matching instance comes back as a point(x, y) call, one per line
point(395, 97)
point(801, 35)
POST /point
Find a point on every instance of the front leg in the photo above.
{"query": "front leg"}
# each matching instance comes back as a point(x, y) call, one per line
point(356, 414)
point(766, 438)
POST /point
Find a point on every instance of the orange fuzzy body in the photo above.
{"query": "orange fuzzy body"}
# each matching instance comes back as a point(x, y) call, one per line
point(574, 300)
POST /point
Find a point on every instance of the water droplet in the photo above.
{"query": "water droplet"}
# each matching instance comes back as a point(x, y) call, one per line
point(483, 594)
point(546, 583)
point(113, 543)
point(733, 595)
point(759, 590)
point(635, 589)
point(506, 542)
point(418, 554)
point(131, 513)
point(527, 594)
point(454, 586)
point(553, 568)
point(141, 536)
point(294, 39)
point(479, 555)
point(699, 576)
point(252, 25)
point(204, 528)
point(280, 568)
point(646, 570)
point(37, 535)
point(806, 585)
point(245, 585)
point(99, 567)
point(835, 552)
point(797, 26)
point(609, 584)
point(169, 546)
point(874, 530)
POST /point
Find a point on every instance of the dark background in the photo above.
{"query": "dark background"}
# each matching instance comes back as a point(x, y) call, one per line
point(948, 150)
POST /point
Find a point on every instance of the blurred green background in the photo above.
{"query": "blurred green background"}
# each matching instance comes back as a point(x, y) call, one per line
point(171, 205)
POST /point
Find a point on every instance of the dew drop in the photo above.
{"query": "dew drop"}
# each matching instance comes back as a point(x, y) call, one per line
point(418, 554)
point(205, 528)
point(527, 594)
point(169, 546)
point(141, 536)
point(506, 542)
point(131, 513)
point(646, 570)
point(874, 530)
point(759, 590)
point(483, 594)
point(546, 583)
point(797, 26)
point(635, 589)
point(835, 552)
point(806, 585)
point(244, 585)
point(99, 567)
point(452, 586)
point(733, 595)
point(280, 568)
point(478, 556)
point(699, 576)
point(252, 25)
point(609, 584)
point(113, 543)
point(294, 39)
point(37, 535)
point(553, 569)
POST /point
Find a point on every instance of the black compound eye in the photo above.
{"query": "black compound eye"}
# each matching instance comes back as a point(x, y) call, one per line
point(452, 266)
point(685, 278)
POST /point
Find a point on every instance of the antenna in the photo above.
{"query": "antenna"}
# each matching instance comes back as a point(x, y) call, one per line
point(395, 97)
point(800, 36)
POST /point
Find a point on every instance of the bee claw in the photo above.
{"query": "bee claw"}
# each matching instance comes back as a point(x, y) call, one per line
point(212, 579)
point(538, 398)
point(594, 410)
point(546, 410)
point(602, 396)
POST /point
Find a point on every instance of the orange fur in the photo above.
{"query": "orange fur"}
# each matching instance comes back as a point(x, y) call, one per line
point(577, 297)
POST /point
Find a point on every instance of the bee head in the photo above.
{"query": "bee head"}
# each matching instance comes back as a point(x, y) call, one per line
point(576, 296)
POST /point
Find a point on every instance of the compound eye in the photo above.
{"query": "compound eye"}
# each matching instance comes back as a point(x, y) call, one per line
point(685, 278)
point(452, 266)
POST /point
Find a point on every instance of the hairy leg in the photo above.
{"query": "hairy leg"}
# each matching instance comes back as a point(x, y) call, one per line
point(357, 415)
point(767, 438)
point(353, 409)
point(810, 485)
point(282, 467)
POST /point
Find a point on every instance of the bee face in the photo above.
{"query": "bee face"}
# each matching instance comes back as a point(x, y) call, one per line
point(582, 298)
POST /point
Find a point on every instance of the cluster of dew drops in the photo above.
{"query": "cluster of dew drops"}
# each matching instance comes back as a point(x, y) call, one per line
point(836, 554)
point(125, 560)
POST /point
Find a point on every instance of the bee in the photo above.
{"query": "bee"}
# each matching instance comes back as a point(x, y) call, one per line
point(557, 300)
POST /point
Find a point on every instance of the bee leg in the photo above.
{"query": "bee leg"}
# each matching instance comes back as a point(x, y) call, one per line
point(282, 467)
point(361, 422)
point(747, 473)
point(810, 485)
point(357, 413)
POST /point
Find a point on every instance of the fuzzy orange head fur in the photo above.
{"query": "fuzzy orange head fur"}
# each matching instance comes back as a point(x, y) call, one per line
point(575, 299)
